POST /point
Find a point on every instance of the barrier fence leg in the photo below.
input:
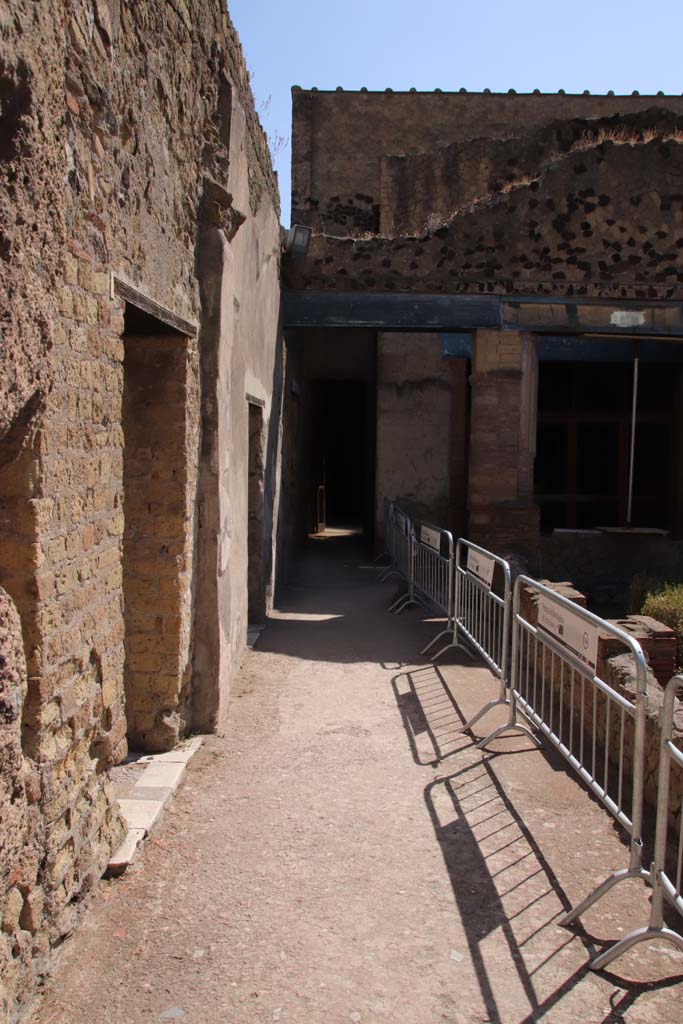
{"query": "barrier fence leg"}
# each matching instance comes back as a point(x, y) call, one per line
point(599, 892)
point(444, 632)
point(655, 929)
point(502, 698)
point(512, 725)
point(452, 628)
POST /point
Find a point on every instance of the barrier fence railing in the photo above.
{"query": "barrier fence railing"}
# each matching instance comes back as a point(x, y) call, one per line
point(481, 613)
point(430, 583)
point(666, 872)
point(387, 511)
point(400, 545)
point(549, 679)
point(555, 686)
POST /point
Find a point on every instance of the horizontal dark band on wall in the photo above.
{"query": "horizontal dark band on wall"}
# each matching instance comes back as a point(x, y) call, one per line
point(405, 311)
point(399, 311)
point(562, 348)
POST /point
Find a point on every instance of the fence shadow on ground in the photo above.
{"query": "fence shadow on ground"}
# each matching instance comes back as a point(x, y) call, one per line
point(501, 881)
point(432, 717)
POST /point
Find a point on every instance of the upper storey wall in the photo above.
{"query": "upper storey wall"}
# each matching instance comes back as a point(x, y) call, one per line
point(340, 138)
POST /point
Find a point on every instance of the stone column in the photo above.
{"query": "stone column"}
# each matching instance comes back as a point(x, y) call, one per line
point(502, 512)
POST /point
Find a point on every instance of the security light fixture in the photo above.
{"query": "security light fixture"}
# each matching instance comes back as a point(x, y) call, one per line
point(297, 240)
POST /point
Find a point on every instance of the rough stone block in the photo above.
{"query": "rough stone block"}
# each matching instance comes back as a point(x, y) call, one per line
point(124, 854)
point(11, 912)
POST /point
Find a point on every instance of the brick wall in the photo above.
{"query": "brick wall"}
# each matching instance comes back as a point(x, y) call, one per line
point(502, 513)
point(160, 425)
point(131, 142)
point(413, 426)
point(343, 197)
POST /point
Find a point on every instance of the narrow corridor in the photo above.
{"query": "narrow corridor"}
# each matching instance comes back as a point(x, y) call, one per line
point(344, 854)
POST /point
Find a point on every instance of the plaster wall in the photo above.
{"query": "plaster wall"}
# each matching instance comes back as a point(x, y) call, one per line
point(246, 362)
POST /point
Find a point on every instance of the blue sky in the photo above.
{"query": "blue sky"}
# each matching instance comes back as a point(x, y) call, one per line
point(448, 44)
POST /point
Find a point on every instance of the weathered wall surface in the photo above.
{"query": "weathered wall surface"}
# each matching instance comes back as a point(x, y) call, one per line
point(343, 197)
point(130, 147)
point(502, 514)
point(602, 222)
point(424, 190)
point(242, 357)
point(413, 426)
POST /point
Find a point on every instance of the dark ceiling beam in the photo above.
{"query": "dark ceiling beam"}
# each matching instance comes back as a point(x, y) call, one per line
point(391, 311)
point(405, 311)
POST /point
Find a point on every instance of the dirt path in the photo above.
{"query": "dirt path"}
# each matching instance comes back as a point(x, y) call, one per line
point(343, 854)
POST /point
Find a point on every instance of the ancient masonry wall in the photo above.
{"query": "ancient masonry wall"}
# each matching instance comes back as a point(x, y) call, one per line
point(606, 222)
point(346, 197)
point(413, 426)
point(127, 129)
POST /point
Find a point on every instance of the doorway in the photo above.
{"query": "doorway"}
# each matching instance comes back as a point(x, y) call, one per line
point(255, 575)
point(342, 455)
point(159, 390)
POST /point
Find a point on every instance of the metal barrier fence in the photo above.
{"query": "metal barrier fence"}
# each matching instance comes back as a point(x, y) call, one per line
point(399, 546)
point(481, 613)
point(386, 538)
point(555, 685)
point(430, 582)
point(551, 680)
point(666, 873)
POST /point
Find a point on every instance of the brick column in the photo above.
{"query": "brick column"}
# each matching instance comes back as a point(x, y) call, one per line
point(502, 513)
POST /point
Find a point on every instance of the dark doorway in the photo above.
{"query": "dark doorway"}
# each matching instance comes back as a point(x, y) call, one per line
point(255, 574)
point(583, 448)
point(343, 453)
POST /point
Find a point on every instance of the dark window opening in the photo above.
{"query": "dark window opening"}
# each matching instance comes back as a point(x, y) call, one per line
point(583, 445)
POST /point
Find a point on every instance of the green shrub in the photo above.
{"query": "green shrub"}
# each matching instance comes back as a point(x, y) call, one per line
point(666, 605)
point(642, 586)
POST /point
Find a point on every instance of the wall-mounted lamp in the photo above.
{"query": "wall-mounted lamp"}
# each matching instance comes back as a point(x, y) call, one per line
point(296, 241)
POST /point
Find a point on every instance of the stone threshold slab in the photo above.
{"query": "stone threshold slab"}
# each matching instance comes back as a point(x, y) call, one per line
point(144, 805)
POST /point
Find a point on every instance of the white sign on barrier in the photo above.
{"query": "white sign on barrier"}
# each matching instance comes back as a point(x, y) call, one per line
point(578, 636)
point(481, 566)
point(430, 537)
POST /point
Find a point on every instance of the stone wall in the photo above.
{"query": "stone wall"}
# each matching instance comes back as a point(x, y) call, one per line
point(160, 426)
point(605, 222)
point(131, 154)
point(346, 197)
point(603, 565)
point(413, 427)
point(423, 190)
point(502, 513)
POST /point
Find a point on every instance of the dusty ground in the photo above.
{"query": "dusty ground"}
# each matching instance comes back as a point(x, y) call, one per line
point(124, 776)
point(343, 854)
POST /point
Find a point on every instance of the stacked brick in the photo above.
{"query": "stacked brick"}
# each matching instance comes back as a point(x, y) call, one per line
point(160, 418)
point(117, 115)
